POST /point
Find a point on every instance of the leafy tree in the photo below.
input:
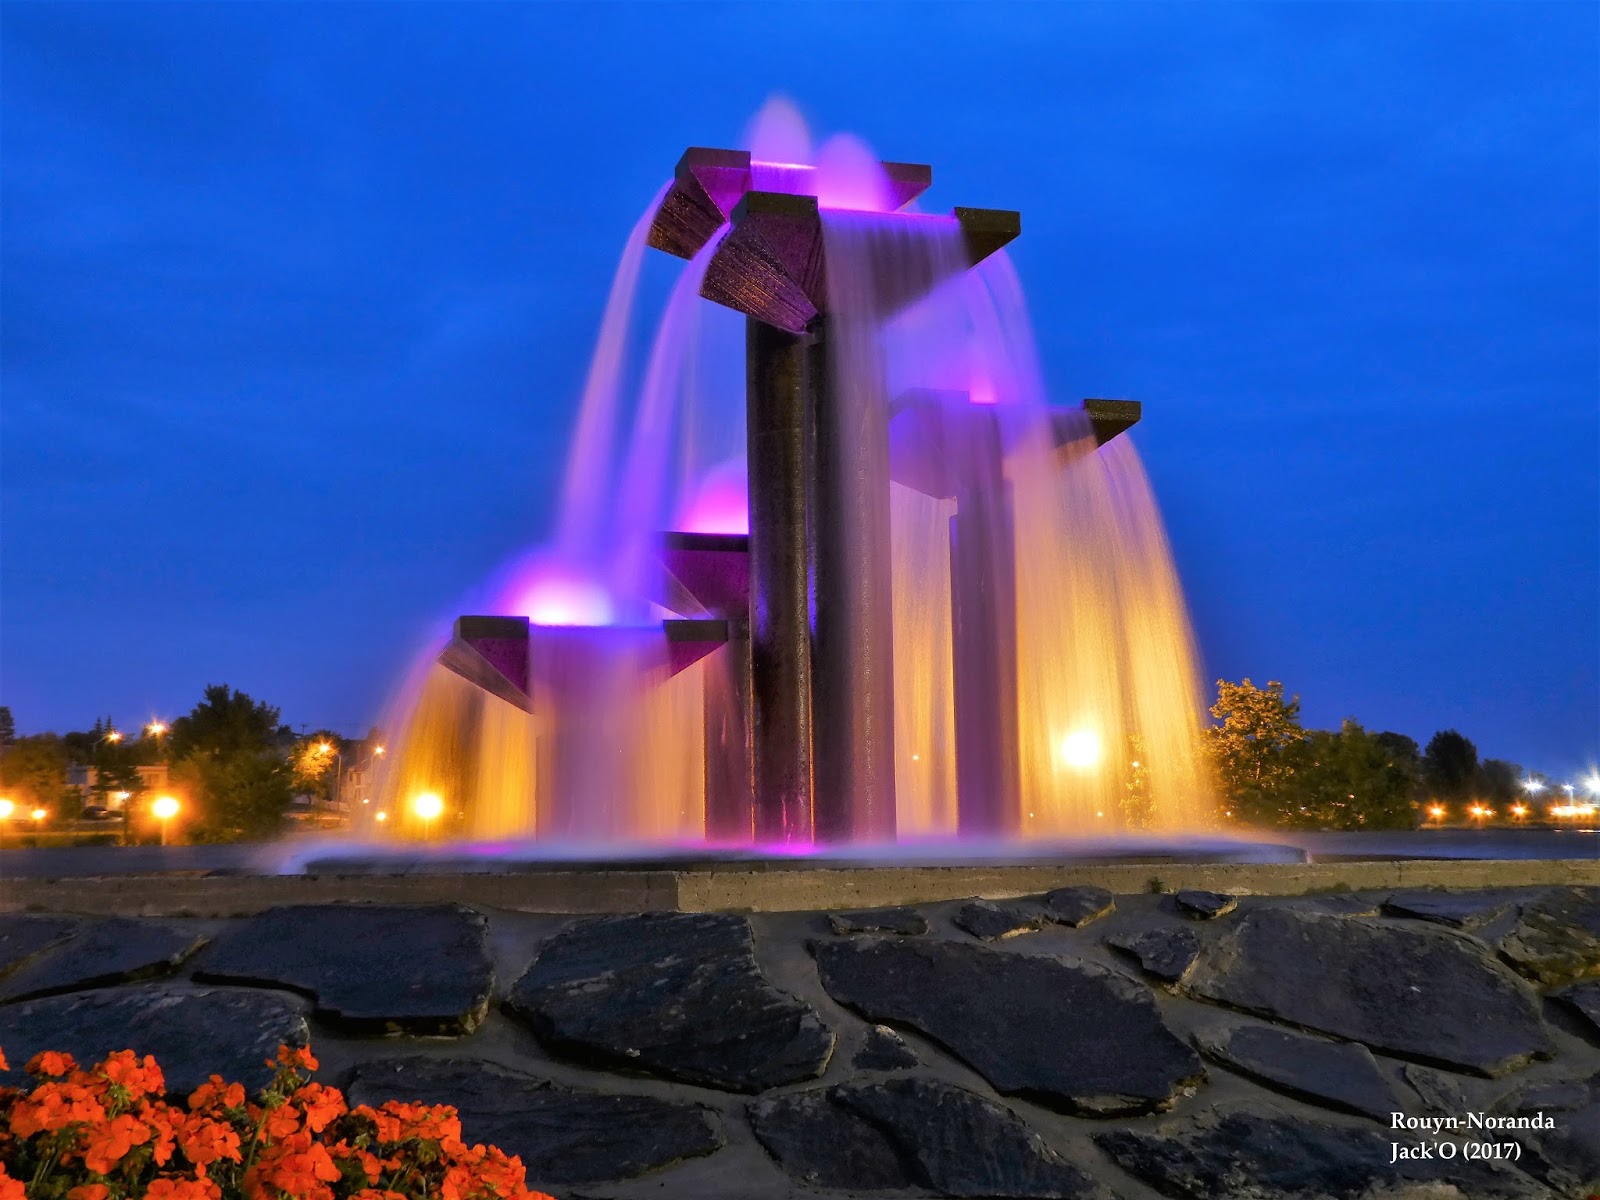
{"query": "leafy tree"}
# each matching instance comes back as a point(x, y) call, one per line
point(1353, 779)
point(226, 759)
point(8, 728)
point(1497, 781)
point(318, 759)
point(1449, 765)
point(1255, 749)
point(225, 722)
point(33, 771)
point(238, 796)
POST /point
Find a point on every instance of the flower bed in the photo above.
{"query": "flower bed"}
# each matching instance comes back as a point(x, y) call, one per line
point(110, 1133)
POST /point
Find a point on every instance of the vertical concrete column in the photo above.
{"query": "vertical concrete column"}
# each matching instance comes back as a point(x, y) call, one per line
point(780, 610)
point(852, 644)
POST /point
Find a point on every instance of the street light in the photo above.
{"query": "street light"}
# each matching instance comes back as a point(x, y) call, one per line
point(156, 728)
point(6, 809)
point(165, 808)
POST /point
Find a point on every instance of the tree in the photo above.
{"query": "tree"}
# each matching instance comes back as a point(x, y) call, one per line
point(33, 771)
point(227, 761)
point(225, 722)
point(317, 759)
point(1254, 748)
point(1497, 781)
point(236, 797)
point(1449, 766)
point(1353, 779)
point(8, 728)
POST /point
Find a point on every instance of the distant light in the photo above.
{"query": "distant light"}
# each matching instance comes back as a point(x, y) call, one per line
point(1081, 750)
point(113, 736)
point(156, 728)
point(382, 816)
point(1519, 810)
point(1436, 812)
point(165, 807)
point(6, 809)
point(1591, 783)
point(1099, 814)
point(377, 749)
point(916, 758)
point(1532, 786)
point(39, 814)
point(123, 796)
point(324, 748)
point(428, 805)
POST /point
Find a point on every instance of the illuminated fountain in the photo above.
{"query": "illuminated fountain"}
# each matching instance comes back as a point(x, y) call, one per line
point(888, 594)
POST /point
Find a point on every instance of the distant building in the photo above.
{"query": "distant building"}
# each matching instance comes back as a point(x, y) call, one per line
point(153, 778)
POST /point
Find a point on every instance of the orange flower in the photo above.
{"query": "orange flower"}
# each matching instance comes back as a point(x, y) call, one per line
point(11, 1189)
point(204, 1142)
point(3, 1067)
point(89, 1191)
point(281, 1122)
point(299, 1059)
point(139, 1077)
point(215, 1091)
point(320, 1104)
point(49, 1062)
point(184, 1189)
point(109, 1143)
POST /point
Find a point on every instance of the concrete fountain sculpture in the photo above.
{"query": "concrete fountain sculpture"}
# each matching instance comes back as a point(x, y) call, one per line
point(781, 639)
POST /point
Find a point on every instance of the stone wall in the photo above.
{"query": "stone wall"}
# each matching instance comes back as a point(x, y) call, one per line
point(1074, 1044)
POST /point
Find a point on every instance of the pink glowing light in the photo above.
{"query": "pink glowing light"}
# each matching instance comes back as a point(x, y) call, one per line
point(779, 133)
point(550, 594)
point(722, 503)
point(849, 176)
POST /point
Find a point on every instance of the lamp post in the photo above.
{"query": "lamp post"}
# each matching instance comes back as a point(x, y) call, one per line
point(6, 809)
point(165, 808)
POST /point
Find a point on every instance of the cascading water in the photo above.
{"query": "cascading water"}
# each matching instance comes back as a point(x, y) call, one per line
point(1000, 639)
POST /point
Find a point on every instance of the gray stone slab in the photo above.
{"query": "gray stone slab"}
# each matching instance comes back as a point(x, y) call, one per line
point(563, 1135)
point(370, 968)
point(193, 1032)
point(1584, 999)
point(907, 921)
point(1418, 993)
point(23, 935)
point(100, 953)
point(1440, 1093)
point(1548, 1096)
point(1204, 906)
point(1337, 1075)
point(993, 922)
point(1077, 906)
point(1249, 1156)
point(1557, 937)
point(1070, 1034)
point(913, 1133)
point(1459, 910)
point(883, 1050)
point(675, 994)
point(1163, 953)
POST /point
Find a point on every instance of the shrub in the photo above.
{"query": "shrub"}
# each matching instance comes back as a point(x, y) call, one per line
point(110, 1133)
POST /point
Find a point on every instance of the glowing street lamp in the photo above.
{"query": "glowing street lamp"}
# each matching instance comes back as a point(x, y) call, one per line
point(428, 806)
point(1532, 786)
point(1437, 812)
point(6, 809)
point(165, 808)
point(156, 728)
point(1519, 811)
point(39, 814)
point(1591, 783)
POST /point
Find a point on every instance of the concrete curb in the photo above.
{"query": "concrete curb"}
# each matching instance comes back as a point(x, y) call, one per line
point(744, 888)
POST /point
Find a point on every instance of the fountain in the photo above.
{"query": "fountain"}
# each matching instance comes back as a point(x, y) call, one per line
point(914, 602)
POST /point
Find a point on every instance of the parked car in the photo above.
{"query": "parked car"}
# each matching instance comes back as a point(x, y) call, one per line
point(98, 812)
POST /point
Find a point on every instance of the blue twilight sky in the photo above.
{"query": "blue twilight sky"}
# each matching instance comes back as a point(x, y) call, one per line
point(298, 300)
